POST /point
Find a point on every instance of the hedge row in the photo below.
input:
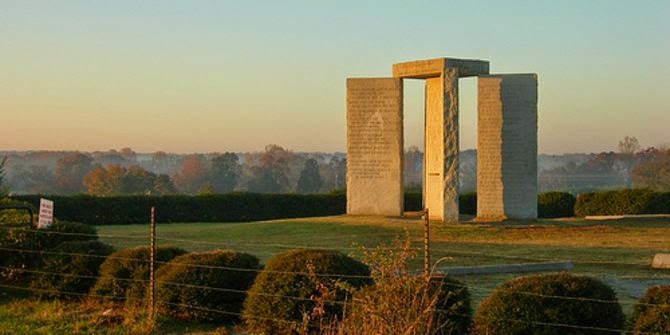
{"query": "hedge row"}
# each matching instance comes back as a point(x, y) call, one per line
point(233, 207)
point(555, 205)
point(628, 201)
point(241, 207)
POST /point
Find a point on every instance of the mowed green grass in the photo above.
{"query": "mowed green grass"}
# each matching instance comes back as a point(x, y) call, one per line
point(618, 252)
point(468, 243)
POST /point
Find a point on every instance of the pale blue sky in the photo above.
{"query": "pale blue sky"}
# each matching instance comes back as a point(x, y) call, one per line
point(187, 76)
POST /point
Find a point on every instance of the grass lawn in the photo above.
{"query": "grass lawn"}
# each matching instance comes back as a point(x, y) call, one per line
point(618, 252)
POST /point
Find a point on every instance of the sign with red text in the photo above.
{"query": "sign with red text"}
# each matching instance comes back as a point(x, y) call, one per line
point(46, 216)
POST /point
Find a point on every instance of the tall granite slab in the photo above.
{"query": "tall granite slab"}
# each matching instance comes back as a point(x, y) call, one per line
point(507, 147)
point(374, 146)
point(440, 175)
point(441, 146)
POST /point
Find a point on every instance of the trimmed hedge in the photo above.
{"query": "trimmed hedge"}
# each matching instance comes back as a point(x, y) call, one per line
point(125, 273)
point(555, 205)
point(619, 202)
point(413, 202)
point(651, 314)
point(522, 305)
point(31, 240)
point(467, 203)
point(243, 207)
point(190, 292)
point(549, 205)
point(77, 269)
point(284, 276)
point(232, 207)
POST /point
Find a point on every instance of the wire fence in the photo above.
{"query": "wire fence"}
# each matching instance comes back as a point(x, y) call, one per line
point(477, 290)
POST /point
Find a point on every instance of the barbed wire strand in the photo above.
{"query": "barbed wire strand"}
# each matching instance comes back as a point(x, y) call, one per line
point(228, 268)
point(486, 291)
point(541, 323)
point(240, 315)
point(34, 289)
point(51, 232)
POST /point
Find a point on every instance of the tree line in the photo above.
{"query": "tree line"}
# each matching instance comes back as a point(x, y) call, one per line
point(278, 170)
point(273, 170)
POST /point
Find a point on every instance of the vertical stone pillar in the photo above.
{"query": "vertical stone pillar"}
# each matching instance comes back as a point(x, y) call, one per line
point(441, 146)
point(507, 147)
point(374, 146)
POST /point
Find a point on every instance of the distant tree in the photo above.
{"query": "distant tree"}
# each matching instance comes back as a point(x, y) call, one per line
point(225, 172)
point(163, 185)
point(413, 168)
point(654, 171)
point(339, 168)
point(34, 179)
point(159, 162)
point(70, 172)
point(310, 179)
point(275, 160)
point(191, 174)
point(629, 145)
point(467, 171)
point(118, 180)
point(137, 180)
point(3, 188)
point(101, 181)
point(111, 157)
point(206, 189)
point(128, 153)
point(262, 181)
point(606, 170)
point(271, 173)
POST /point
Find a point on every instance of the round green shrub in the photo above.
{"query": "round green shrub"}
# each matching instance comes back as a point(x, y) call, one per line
point(651, 314)
point(125, 273)
point(284, 276)
point(19, 246)
point(555, 205)
point(519, 306)
point(74, 271)
point(190, 292)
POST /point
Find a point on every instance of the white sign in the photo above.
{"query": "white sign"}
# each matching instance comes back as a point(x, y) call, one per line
point(46, 216)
